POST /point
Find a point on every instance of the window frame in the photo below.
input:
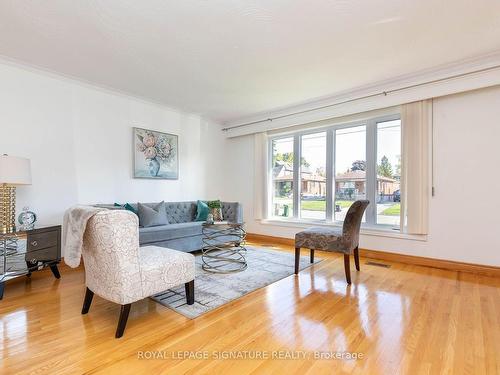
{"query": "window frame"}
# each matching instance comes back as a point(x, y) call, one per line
point(296, 213)
point(371, 174)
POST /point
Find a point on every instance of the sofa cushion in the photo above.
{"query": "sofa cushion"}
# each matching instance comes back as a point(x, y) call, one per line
point(152, 216)
point(180, 212)
point(177, 212)
point(169, 232)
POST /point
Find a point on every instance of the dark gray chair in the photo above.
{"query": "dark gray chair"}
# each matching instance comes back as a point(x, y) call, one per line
point(334, 239)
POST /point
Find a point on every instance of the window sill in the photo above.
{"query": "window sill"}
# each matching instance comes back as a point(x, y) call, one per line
point(365, 231)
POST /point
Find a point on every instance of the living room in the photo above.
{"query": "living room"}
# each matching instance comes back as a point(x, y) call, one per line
point(315, 178)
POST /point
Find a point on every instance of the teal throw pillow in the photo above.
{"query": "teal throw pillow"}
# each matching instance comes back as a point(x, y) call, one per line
point(201, 211)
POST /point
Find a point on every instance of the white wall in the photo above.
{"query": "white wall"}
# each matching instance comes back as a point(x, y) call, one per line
point(464, 214)
point(79, 140)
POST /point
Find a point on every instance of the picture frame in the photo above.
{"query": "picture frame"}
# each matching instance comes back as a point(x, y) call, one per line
point(156, 154)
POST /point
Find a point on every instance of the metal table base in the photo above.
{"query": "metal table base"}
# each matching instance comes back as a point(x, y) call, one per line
point(223, 248)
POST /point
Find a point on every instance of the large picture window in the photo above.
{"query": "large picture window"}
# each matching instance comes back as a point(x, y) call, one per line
point(317, 175)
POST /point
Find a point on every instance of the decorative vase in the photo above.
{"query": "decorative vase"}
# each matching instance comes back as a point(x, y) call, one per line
point(217, 214)
point(154, 167)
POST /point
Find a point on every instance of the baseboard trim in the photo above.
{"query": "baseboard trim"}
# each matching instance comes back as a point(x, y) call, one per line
point(271, 239)
point(399, 258)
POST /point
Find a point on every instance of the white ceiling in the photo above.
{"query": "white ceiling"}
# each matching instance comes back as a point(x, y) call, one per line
point(228, 59)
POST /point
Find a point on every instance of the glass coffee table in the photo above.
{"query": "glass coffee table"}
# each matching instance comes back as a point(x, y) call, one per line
point(223, 247)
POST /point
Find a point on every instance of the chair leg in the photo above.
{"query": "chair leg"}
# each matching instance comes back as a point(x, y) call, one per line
point(189, 292)
point(356, 257)
point(347, 267)
point(312, 255)
point(87, 301)
point(297, 259)
point(122, 322)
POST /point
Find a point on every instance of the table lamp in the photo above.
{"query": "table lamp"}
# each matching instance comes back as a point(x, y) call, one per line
point(13, 171)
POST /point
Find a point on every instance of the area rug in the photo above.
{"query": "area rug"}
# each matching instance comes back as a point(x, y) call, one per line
point(212, 290)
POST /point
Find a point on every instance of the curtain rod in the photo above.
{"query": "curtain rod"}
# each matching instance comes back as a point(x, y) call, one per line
point(383, 93)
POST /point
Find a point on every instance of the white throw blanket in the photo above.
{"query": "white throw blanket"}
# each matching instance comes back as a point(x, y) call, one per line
point(74, 225)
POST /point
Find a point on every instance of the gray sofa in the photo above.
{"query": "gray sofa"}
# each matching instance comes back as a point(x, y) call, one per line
point(182, 232)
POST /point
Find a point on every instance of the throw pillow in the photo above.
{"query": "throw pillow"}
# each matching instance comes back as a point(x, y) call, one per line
point(127, 206)
point(152, 216)
point(201, 211)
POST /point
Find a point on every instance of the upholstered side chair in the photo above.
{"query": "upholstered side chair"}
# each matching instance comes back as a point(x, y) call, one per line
point(345, 240)
point(118, 270)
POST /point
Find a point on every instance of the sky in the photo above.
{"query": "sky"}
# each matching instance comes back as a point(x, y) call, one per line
point(350, 145)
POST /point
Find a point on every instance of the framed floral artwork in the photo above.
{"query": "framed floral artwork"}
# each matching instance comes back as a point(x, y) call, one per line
point(155, 155)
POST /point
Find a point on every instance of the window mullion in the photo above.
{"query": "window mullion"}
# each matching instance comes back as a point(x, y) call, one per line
point(371, 171)
point(269, 180)
point(330, 173)
point(296, 175)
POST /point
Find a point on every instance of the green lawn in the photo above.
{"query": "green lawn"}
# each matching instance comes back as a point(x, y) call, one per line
point(321, 205)
point(394, 210)
point(344, 204)
point(311, 205)
point(314, 205)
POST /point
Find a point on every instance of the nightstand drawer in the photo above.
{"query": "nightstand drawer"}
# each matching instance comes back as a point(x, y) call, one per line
point(47, 254)
point(37, 241)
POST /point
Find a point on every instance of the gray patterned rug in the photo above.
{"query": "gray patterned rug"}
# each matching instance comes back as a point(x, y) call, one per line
point(265, 266)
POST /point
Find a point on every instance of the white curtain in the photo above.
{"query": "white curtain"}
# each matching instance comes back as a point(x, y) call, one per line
point(260, 175)
point(416, 122)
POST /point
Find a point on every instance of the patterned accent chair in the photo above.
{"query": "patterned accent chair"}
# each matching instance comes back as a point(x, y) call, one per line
point(118, 270)
point(344, 241)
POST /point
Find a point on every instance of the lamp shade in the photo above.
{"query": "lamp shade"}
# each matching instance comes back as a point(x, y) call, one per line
point(14, 170)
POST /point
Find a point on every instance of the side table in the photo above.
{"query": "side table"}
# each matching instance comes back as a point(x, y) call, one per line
point(223, 247)
point(25, 251)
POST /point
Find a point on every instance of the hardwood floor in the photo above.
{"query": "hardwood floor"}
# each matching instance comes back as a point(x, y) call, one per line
point(403, 319)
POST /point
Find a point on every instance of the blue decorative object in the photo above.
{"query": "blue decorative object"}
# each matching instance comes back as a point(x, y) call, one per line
point(210, 219)
point(154, 167)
